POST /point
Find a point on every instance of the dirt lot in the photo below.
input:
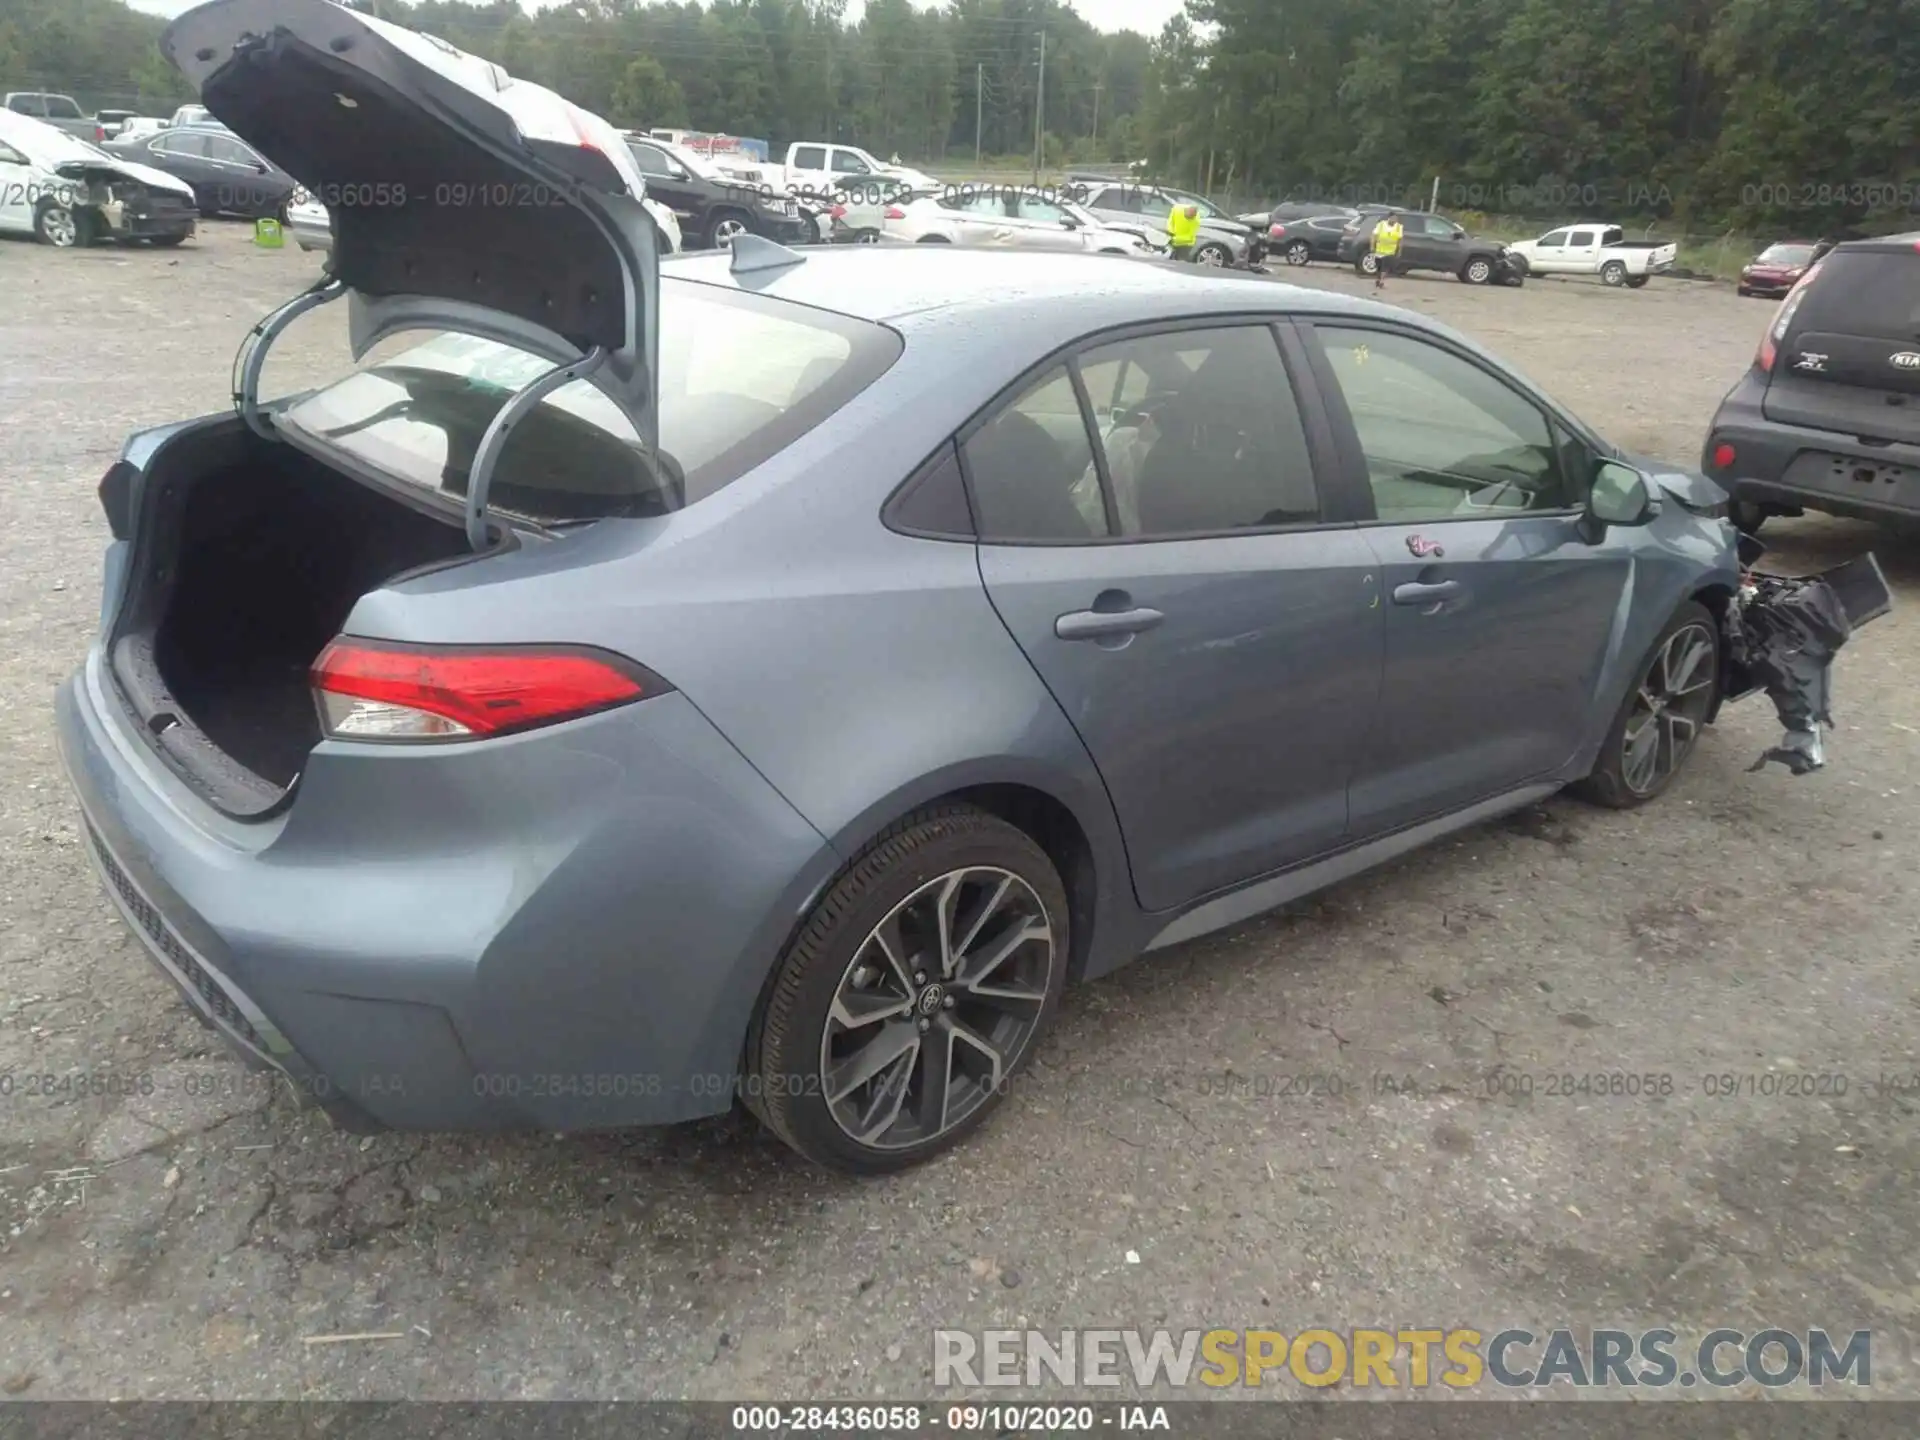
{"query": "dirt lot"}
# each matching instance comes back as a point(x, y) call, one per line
point(183, 1243)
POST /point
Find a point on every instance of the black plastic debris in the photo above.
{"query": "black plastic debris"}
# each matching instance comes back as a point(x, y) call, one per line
point(1783, 633)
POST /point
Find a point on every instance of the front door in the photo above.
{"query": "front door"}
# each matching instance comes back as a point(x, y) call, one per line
point(1043, 225)
point(1205, 616)
point(1498, 614)
point(18, 190)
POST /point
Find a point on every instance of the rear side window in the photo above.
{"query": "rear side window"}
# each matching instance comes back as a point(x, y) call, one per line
point(1580, 238)
point(1864, 292)
point(1201, 433)
point(25, 105)
point(810, 157)
point(741, 377)
point(1032, 471)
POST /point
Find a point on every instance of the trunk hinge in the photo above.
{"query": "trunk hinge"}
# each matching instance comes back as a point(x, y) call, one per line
point(487, 454)
point(252, 357)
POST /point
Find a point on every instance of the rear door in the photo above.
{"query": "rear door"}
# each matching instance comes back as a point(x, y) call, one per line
point(1849, 361)
point(1200, 606)
point(1498, 615)
point(16, 186)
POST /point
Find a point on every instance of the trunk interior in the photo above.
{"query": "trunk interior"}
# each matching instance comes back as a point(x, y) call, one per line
point(248, 558)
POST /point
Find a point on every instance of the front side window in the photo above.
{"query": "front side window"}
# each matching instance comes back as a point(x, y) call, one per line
point(10, 156)
point(1438, 228)
point(1032, 207)
point(59, 107)
point(1443, 438)
point(25, 105)
point(741, 377)
point(845, 162)
point(650, 160)
point(1554, 241)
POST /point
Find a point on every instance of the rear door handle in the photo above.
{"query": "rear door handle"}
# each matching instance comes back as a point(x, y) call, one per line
point(1096, 624)
point(1416, 593)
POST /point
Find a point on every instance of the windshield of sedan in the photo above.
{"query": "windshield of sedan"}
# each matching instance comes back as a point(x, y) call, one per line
point(1786, 255)
point(741, 377)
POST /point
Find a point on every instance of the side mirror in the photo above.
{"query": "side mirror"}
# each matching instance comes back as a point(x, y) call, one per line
point(1067, 222)
point(1619, 495)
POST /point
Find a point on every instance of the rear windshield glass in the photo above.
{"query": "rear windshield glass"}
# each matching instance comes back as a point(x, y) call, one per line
point(1864, 292)
point(741, 377)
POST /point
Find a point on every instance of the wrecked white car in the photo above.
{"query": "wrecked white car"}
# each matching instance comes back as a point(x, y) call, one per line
point(67, 193)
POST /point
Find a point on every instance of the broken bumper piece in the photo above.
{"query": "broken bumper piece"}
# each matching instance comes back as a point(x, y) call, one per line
point(1783, 633)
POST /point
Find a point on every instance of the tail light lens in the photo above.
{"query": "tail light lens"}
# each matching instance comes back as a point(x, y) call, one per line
point(1777, 331)
point(838, 212)
point(374, 690)
point(1277, 231)
point(894, 212)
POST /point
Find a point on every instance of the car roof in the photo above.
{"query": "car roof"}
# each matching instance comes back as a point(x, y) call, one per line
point(927, 287)
point(1908, 240)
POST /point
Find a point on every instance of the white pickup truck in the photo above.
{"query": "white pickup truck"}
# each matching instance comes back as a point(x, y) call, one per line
point(1591, 248)
point(818, 168)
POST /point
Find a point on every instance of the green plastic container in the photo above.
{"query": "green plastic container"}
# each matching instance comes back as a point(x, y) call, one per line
point(267, 234)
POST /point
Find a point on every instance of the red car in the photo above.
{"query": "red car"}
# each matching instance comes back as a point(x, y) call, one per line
point(1778, 268)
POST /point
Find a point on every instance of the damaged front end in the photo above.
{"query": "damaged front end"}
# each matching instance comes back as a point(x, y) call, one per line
point(1782, 634)
point(109, 204)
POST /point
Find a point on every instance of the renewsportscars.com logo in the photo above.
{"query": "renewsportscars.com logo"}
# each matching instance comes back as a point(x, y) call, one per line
point(1414, 1359)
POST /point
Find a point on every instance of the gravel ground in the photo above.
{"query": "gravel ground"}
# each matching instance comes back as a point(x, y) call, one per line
point(184, 1243)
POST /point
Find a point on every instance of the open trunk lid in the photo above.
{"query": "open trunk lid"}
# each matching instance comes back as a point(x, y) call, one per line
point(462, 199)
point(1848, 359)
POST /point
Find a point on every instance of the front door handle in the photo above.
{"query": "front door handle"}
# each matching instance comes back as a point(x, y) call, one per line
point(1418, 593)
point(1098, 624)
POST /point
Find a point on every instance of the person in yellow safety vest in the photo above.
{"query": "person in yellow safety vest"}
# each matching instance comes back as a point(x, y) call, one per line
point(1386, 247)
point(1183, 230)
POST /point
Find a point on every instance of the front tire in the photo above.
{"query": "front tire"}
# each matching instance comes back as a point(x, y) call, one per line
point(1659, 722)
point(1614, 273)
point(1368, 264)
point(912, 995)
point(60, 226)
point(1477, 271)
point(1212, 255)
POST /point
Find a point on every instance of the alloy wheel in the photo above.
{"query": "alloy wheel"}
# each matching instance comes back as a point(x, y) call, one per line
point(1211, 255)
point(936, 1007)
point(58, 227)
point(1298, 253)
point(1668, 710)
point(1369, 264)
point(725, 232)
point(1479, 272)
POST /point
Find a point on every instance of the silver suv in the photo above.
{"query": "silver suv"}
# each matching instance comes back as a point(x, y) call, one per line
point(1143, 209)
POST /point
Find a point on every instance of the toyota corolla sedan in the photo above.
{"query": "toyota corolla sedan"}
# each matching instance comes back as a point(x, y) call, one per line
point(771, 677)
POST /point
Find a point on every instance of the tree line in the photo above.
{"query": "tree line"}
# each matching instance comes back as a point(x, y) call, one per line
point(1798, 115)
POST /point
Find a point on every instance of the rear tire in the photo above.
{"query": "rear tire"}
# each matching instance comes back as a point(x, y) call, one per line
point(1673, 691)
point(1368, 264)
point(862, 993)
point(1614, 273)
point(1636, 282)
point(933, 240)
point(167, 242)
point(1298, 252)
point(1742, 290)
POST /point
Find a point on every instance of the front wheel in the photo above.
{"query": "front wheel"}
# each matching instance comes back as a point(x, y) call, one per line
point(1661, 718)
point(1298, 252)
point(1477, 271)
point(60, 226)
point(912, 995)
point(1614, 273)
point(1215, 256)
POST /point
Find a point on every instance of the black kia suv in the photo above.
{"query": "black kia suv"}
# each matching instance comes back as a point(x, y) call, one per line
point(1828, 415)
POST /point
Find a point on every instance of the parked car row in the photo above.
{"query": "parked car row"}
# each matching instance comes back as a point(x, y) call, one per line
point(68, 192)
point(1011, 218)
point(63, 112)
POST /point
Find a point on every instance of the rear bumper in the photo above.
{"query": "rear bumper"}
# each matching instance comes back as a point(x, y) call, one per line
point(565, 933)
point(1798, 467)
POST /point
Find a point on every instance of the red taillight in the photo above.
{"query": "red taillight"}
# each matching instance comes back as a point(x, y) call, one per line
point(373, 690)
point(1277, 231)
point(894, 212)
point(1777, 331)
point(1723, 456)
point(838, 212)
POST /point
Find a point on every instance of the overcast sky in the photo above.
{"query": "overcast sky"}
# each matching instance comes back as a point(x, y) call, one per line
point(1146, 16)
